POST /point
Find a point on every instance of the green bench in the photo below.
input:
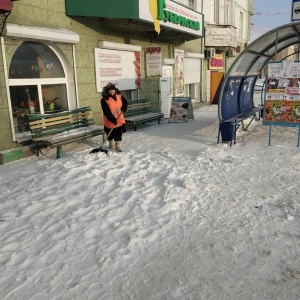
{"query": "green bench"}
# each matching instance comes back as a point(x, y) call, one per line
point(58, 129)
point(139, 112)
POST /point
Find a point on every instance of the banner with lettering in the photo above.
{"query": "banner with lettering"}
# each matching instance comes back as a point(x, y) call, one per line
point(153, 61)
point(181, 110)
point(120, 67)
point(179, 80)
point(282, 96)
point(216, 63)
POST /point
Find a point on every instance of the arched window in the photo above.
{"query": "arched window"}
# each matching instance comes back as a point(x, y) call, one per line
point(37, 83)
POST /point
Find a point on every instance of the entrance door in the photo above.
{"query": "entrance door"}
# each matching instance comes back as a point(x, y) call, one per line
point(166, 90)
point(215, 86)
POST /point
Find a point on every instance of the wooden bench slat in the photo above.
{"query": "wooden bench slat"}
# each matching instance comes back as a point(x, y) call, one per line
point(58, 129)
point(44, 126)
point(61, 118)
point(143, 116)
point(139, 111)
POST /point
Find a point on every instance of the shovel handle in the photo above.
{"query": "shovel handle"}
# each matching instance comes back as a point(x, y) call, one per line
point(114, 125)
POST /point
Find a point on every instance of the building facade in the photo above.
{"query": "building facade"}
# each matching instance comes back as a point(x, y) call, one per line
point(227, 32)
point(57, 55)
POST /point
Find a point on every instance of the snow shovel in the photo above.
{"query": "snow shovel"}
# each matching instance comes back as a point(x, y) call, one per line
point(100, 149)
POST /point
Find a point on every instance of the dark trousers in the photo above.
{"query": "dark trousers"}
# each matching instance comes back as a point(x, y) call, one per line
point(116, 133)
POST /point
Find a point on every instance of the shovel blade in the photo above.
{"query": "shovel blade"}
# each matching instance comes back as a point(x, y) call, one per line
point(96, 150)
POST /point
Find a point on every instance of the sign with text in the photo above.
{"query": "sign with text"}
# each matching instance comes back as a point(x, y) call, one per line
point(295, 10)
point(282, 97)
point(168, 13)
point(216, 63)
point(153, 61)
point(120, 67)
point(179, 72)
point(181, 109)
point(220, 37)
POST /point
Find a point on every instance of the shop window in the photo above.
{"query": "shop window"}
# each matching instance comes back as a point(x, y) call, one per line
point(130, 94)
point(37, 84)
point(35, 60)
point(192, 91)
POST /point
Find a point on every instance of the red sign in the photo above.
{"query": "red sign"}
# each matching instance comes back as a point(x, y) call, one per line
point(5, 5)
point(216, 62)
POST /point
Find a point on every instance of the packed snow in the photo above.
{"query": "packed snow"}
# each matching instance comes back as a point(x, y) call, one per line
point(174, 216)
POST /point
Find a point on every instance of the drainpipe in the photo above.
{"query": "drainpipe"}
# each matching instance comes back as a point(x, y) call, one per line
point(75, 75)
point(7, 87)
point(202, 62)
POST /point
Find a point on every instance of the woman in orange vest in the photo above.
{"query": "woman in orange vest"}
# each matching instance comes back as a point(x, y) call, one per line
point(113, 105)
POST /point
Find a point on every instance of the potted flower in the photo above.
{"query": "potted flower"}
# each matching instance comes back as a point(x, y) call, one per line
point(49, 105)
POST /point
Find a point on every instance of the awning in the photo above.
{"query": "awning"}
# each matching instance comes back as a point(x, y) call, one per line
point(40, 33)
point(159, 19)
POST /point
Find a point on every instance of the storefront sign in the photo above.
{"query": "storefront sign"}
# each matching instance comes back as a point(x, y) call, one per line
point(179, 71)
point(153, 61)
point(220, 37)
point(216, 63)
point(5, 5)
point(170, 14)
point(122, 67)
point(282, 98)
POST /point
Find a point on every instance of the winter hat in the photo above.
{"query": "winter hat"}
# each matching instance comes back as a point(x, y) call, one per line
point(110, 86)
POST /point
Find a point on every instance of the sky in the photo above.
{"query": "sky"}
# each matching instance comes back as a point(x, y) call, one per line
point(269, 14)
point(174, 216)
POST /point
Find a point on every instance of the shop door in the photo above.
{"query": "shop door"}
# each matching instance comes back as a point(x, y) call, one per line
point(216, 80)
point(166, 90)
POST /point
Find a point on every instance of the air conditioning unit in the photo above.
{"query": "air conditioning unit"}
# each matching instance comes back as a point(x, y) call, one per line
point(231, 53)
point(210, 53)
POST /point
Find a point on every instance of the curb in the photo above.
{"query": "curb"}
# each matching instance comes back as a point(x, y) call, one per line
point(10, 155)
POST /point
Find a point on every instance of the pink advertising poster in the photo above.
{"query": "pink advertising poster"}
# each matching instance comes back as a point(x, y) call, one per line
point(179, 80)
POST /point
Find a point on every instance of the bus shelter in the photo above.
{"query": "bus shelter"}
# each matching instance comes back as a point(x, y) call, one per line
point(234, 97)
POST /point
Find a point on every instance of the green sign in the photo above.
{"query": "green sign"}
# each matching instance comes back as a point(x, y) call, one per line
point(168, 16)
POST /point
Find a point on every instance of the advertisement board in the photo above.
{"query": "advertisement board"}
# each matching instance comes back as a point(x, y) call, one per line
point(179, 72)
point(181, 109)
point(120, 67)
point(282, 95)
point(153, 61)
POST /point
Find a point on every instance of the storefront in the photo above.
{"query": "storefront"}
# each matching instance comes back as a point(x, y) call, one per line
point(216, 77)
point(164, 21)
point(39, 76)
point(192, 75)
point(63, 62)
point(221, 45)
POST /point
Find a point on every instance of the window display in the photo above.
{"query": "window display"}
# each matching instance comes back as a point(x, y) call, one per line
point(37, 84)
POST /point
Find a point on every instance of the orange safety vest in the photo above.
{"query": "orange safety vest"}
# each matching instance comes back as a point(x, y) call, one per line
point(115, 108)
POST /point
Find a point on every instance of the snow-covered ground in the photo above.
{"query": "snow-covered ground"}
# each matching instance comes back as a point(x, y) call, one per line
point(175, 216)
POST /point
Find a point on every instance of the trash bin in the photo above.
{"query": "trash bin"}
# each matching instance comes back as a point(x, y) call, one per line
point(227, 132)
